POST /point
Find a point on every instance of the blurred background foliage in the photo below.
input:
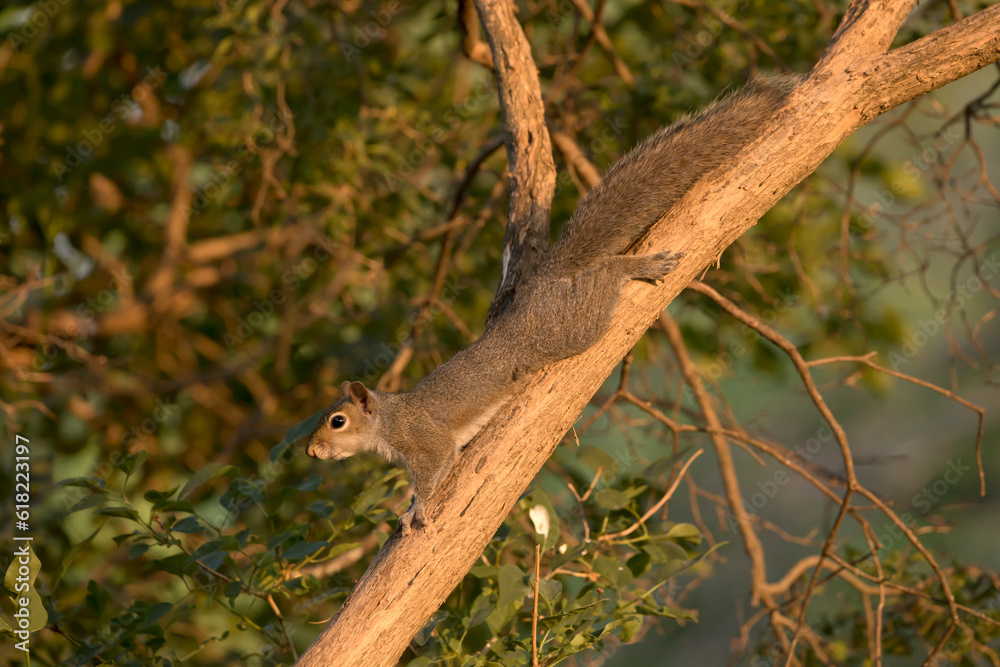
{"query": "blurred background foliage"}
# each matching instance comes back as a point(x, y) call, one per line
point(213, 212)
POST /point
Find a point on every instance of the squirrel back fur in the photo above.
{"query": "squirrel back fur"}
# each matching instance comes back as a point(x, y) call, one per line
point(561, 311)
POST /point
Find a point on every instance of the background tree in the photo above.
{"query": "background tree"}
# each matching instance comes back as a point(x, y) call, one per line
point(215, 212)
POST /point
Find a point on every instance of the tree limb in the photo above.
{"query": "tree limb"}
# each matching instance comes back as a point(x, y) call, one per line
point(410, 578)
point(529, 150)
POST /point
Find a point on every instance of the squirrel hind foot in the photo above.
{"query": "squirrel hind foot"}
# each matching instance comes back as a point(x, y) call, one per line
point(653, 268)
point(413, 519)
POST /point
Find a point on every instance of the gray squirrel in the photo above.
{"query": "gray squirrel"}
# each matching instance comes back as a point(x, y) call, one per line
point(561, 311)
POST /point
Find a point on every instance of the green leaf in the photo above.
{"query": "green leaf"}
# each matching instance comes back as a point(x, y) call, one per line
point(684, 531)
point(232, 589)
point(303, 549)
point(373, 494)
point(425, 632)
point(485, 571)
point(480, 610)
point(88, 501)
point(176, 564)
point(667, 612)
point(209, 472)
point(97, 598)
point(211, 553)
point(311, 483)
point(155, 496)
point(92, 483)
point(74, 551)
point(550, 590)
point(630, 628)
point(137, 550)
point(176, 506)
point(663, 466)
point(512, 586)
point(343, 547)
point(120, 512)
point(663, 551)
point(20, 560)
point(300, 430)
point(611, 499)
point(188, 524)
point(135, 460)
point(322, 508)
point(157, 611)
point(639, 564)
point(613, 570)
point(38, 616)
point(596, 458)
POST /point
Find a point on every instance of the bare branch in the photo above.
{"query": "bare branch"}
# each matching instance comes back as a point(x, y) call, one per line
point(472, 46)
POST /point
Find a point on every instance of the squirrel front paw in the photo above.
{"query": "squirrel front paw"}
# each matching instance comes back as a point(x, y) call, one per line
point(663, 263)
point(414, 518)
point(650, 268)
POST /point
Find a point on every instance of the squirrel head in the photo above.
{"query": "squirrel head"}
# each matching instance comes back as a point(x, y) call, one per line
point(349, 427)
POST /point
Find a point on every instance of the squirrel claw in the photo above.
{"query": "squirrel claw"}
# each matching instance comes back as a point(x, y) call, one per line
point(667, 262)
point(414, 518)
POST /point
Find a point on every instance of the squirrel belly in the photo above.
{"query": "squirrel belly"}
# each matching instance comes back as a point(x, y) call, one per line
point(561, 311)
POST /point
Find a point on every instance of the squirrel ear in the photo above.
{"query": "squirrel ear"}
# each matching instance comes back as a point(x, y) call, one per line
point(360, 395)
point(344, 387)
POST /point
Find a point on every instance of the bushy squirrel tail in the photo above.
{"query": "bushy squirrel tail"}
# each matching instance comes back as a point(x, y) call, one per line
point(639, 187)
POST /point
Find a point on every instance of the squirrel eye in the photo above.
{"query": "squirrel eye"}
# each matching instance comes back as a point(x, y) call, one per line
point(337, 421)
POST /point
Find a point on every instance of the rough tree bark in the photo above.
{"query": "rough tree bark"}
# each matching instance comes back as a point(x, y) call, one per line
point(857, 79)
point(529, 149)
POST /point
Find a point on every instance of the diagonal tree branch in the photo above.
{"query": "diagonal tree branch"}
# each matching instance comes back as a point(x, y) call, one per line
point(410, 578)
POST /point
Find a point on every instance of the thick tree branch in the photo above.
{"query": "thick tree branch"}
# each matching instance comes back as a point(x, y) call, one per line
point(529, 150)
point(411, 577)
point(930, 62)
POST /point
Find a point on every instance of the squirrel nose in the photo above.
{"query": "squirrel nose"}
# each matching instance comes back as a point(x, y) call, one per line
point(311, 450)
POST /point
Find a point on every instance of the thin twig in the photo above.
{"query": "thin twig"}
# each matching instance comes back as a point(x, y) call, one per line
point(655, 508)
point(534, 609)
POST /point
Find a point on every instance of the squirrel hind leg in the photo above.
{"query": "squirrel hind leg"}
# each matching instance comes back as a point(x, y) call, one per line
point(413, 518)
point(650, 268)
